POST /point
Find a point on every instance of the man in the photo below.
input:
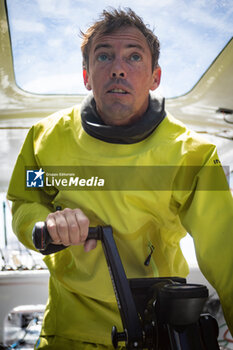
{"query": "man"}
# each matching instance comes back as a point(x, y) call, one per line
point(120, 125)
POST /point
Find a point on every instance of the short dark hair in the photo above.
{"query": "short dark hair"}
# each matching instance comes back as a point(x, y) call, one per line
point(112, 20)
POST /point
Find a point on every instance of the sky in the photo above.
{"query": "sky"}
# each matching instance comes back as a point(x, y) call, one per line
point(46, 41)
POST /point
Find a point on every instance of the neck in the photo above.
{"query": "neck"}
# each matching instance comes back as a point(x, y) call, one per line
point(93, 124)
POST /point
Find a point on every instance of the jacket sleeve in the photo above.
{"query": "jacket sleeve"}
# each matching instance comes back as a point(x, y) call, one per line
point(29, 205)
point(206, 212)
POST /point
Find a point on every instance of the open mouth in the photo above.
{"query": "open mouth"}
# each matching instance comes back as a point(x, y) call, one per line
point(117, 91)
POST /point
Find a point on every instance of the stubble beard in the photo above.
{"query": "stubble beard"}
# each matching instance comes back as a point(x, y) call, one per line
point(116, 113)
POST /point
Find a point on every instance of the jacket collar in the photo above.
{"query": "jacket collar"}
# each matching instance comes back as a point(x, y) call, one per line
point(127, 134)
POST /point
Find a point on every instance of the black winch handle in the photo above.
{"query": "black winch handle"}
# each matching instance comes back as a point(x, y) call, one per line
point(133, 334)
point(43, 241)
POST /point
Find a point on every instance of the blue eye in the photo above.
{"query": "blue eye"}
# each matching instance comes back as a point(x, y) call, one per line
point(135, 57)
point(102, 58)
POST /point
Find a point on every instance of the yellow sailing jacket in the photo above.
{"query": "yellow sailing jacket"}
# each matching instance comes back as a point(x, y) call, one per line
point(81, 301)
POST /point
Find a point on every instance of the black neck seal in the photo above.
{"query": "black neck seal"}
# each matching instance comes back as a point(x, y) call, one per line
point(124, 134)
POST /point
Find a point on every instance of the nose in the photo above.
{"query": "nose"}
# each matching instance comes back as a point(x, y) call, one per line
point(118, 75)
point(118, 70)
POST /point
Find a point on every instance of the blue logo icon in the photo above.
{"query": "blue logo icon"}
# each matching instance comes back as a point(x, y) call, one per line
point(35, 178)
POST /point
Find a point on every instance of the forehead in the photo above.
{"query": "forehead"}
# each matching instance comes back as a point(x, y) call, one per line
point(125, 36)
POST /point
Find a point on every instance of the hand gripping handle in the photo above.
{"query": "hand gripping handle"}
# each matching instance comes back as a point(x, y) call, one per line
point(43, 241)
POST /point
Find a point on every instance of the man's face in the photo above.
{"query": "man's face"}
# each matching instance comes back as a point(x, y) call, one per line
point(120, 75)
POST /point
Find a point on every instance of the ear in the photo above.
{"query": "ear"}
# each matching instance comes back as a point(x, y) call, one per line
point(86, 80)
point(156, 78)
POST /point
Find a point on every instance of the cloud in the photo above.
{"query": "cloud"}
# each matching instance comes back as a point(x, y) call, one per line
point(55, 43)
point(54, 8)
point(28, 26)
point(200, 16)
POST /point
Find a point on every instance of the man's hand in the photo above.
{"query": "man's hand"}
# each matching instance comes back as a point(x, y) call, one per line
point(70, 227)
